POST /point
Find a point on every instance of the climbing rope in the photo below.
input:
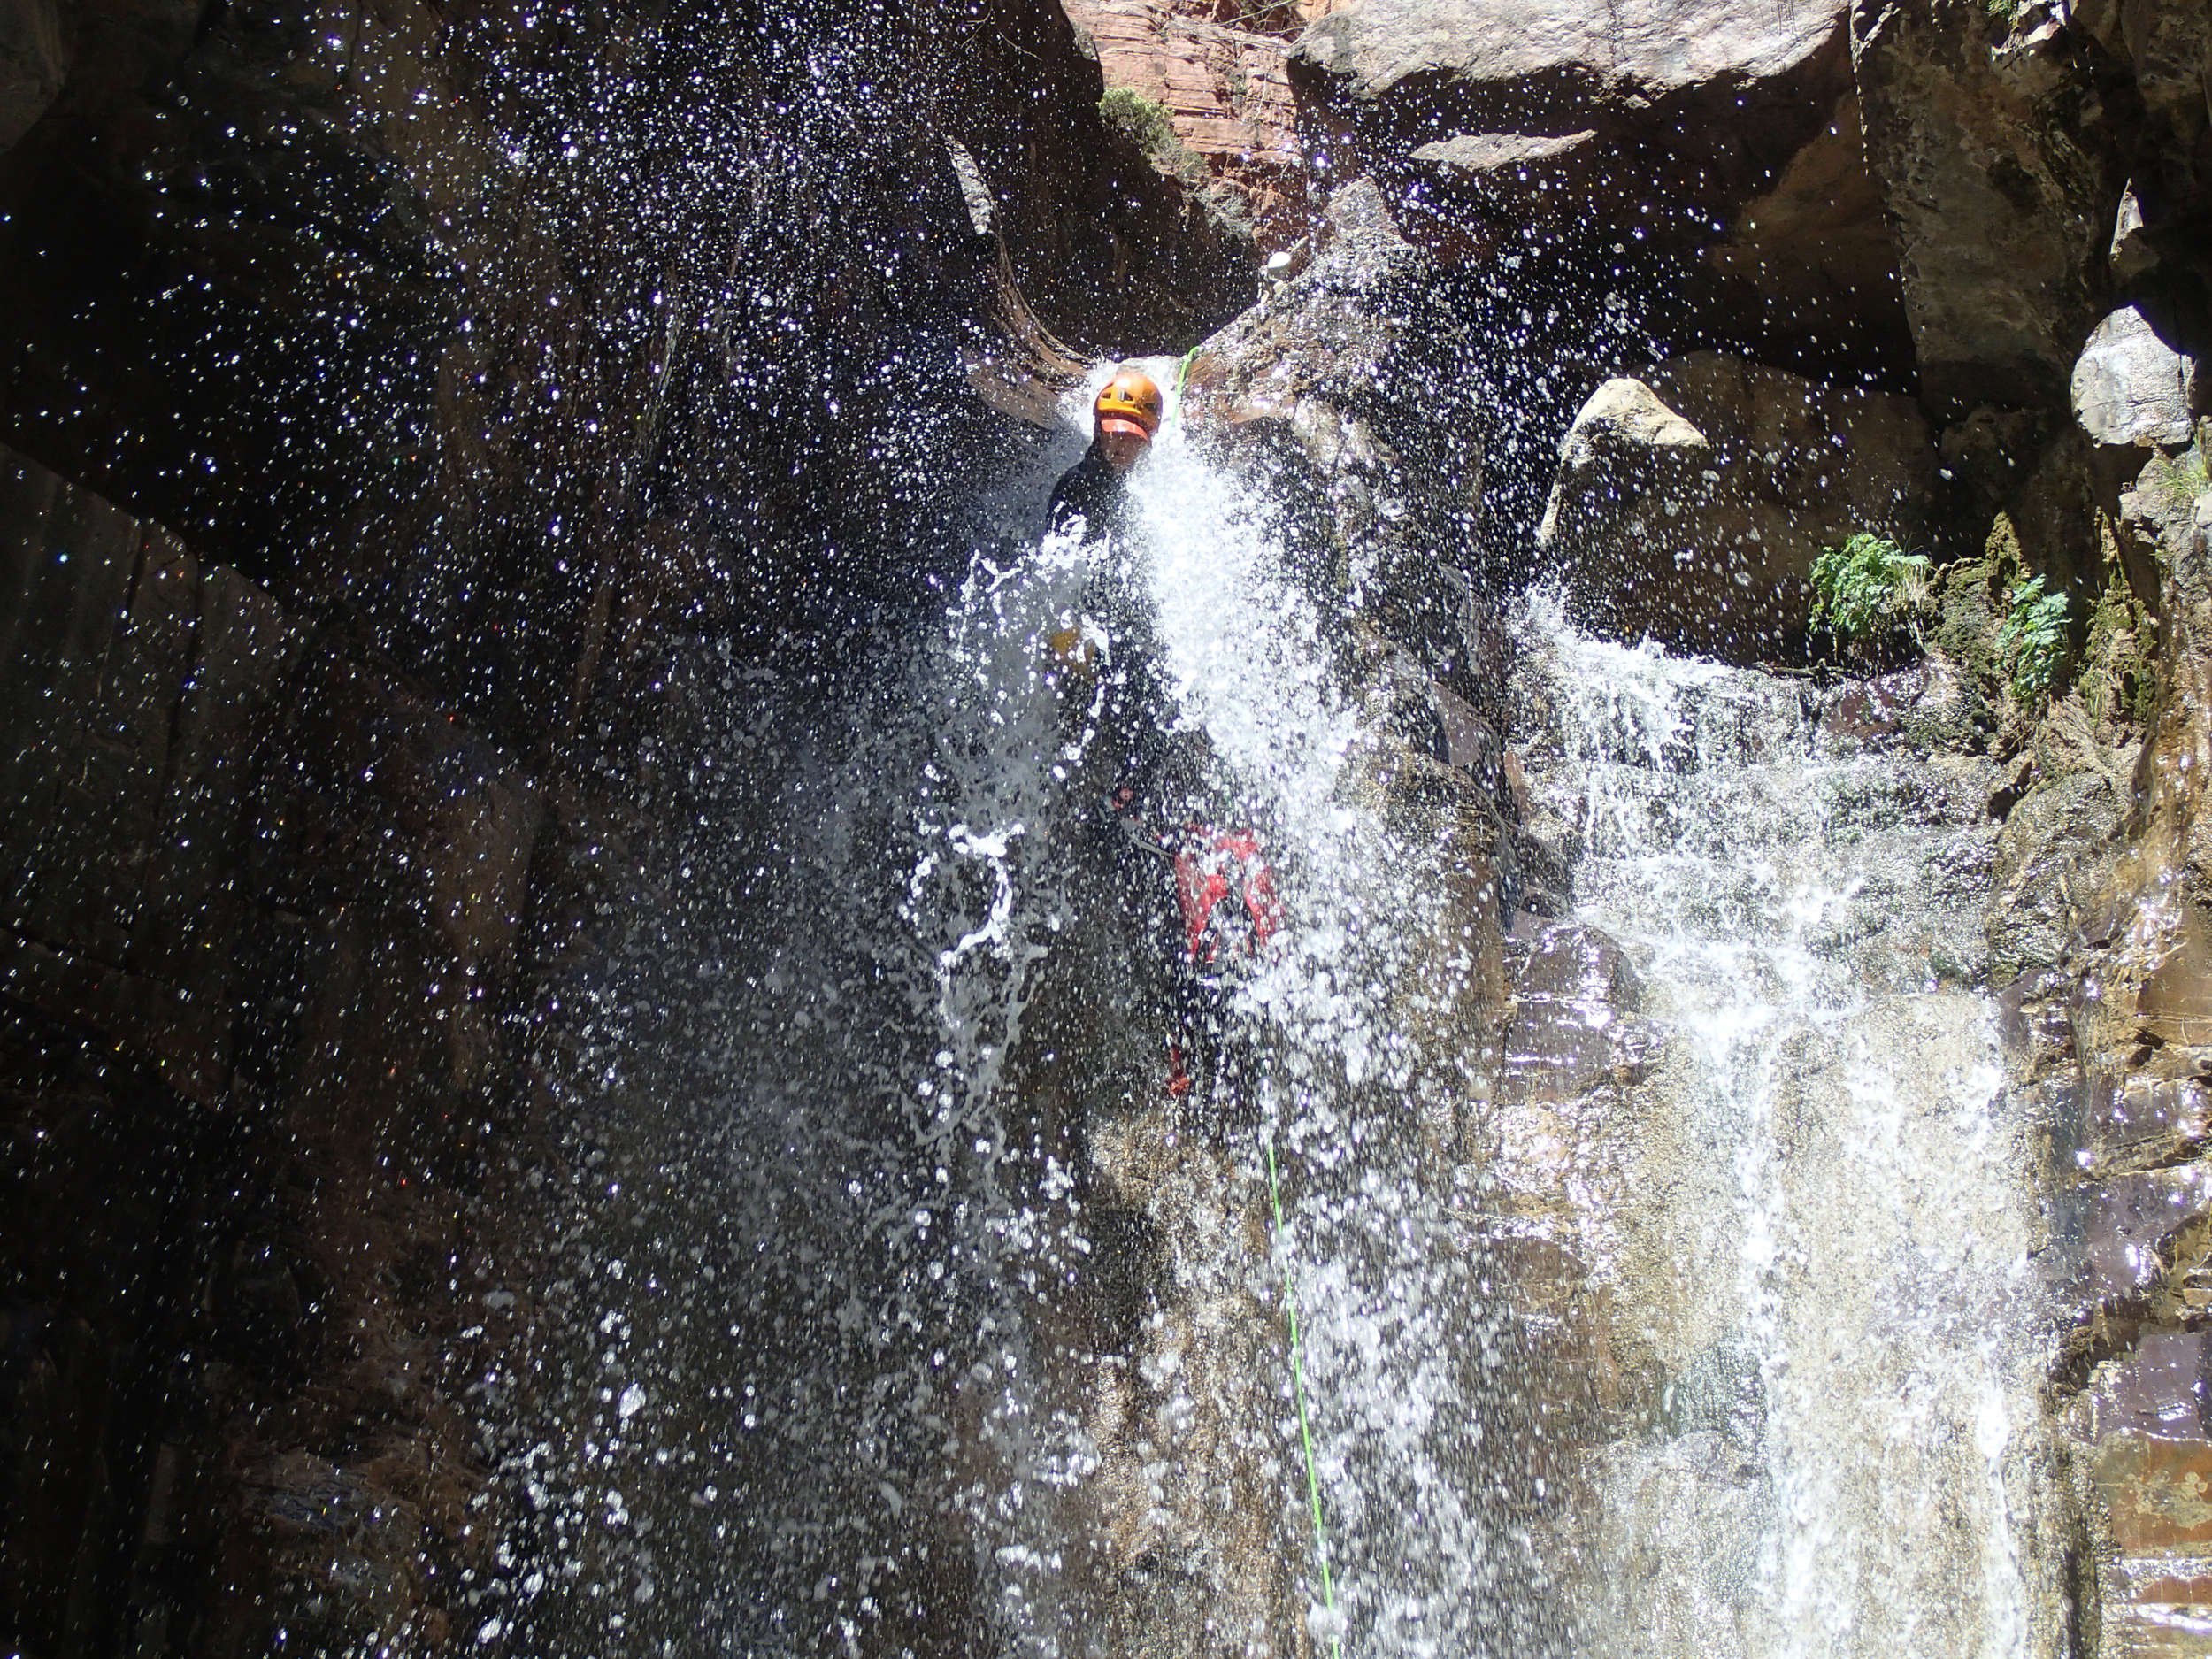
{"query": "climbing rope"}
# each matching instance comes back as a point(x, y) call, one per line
point(1182, 371)
point(1298, 1387)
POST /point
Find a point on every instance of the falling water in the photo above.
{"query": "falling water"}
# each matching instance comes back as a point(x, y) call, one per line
point(1812, 1216)
point(909, 1312)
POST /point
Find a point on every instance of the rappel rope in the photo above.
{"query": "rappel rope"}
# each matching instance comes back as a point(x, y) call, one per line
point(1182, 371)
point(1298, 1389)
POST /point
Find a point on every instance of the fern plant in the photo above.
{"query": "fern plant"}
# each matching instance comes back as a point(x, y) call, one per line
point(2032, 640)
point(1869, 586)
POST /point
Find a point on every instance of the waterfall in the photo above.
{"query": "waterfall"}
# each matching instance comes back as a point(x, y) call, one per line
point(1814, 1215)
point(913, 1312)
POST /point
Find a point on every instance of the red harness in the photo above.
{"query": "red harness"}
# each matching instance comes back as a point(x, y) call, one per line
point(1209, 865)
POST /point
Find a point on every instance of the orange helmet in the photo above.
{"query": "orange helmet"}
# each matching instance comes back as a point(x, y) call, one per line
point(1128, 402)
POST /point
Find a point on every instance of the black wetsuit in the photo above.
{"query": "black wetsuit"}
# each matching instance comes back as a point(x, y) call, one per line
point(1148, 782)
point(1094, 491)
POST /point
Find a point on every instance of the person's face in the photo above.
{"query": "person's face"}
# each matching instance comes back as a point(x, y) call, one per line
point(1122, 447)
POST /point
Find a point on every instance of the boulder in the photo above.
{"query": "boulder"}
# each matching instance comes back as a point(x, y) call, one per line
point(2001, 171)
point(2132, 253)
point(2130, 385)
point(1654, 116)
point(1529, 57)
point(1689, 506)
point(1620, 443)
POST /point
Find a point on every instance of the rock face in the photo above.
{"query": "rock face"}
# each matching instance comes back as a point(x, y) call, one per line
point(275, 881)
point(1690, 508)
point(2000, 169)
point(1343, 391)
point(2130, 387)
point(1225, 87)
point(2112, 1029)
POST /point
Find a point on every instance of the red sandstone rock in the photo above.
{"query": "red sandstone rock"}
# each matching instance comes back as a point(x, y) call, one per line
point(1223, 82)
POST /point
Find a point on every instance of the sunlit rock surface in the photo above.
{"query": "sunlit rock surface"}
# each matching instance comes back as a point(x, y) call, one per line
point(1220, 74)
point(2130, 386)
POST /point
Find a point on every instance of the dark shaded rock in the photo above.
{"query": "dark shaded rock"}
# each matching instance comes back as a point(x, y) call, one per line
point(262, 903)
point(37, 44)
point(140, 690)
point(1817, 245)
point(2165, 47)
point(2000, 167)
point(1689, 506)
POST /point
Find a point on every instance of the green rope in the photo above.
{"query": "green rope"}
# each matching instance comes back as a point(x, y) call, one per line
point(1182, 372)
point(1305, 1434)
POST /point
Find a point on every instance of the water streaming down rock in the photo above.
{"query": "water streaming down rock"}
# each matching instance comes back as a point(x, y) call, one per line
point(909, 1311)
point(1698, 1319)
point(1776, 1155)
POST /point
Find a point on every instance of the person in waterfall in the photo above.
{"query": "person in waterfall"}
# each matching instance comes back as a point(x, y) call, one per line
point(1124, 419)
point(1200, 899)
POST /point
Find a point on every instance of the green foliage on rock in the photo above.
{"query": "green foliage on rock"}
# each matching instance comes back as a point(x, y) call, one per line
point(1869, 586)
point(1144, 120)
point(2032, 639)
point(2178, 480)
point(1149, 126)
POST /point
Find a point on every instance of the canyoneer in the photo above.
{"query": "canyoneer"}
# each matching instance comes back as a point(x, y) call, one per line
point(1197, 899)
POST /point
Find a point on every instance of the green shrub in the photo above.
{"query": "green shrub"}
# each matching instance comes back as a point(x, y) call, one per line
point(1869, 586)
point(1149, 125)
point(1141, 119)
point(2031, 642)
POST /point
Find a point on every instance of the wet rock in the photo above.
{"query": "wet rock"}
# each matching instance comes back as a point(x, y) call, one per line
point(2000, 167)
point(1344, 391)
point(1923, 705)
point(2113, 1228)
point(1711, 550)
point(2132, 385)
point(2042, 844)
point(1570, 1029)
point(38, 45)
